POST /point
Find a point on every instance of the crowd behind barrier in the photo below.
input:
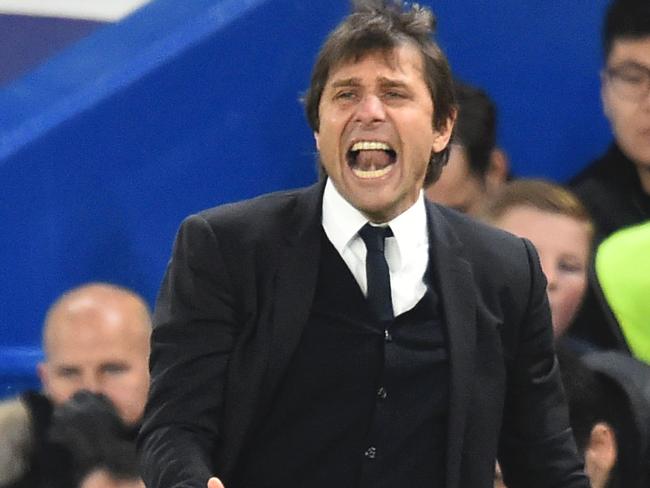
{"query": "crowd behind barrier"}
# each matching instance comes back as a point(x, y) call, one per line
point(592, 241)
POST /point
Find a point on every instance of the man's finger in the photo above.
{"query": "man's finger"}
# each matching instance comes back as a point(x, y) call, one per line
point(215, 483)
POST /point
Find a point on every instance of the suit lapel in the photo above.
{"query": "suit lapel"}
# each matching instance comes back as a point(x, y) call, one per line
point(295, 282)
point(291, 293)
point(458, 296)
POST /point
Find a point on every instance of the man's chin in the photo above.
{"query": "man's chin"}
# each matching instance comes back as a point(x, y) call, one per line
point(378, 210)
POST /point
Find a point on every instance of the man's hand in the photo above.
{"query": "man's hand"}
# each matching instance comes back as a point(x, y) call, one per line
point(215, 483)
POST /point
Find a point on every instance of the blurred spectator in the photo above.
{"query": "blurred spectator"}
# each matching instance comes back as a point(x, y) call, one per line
point(476, 167)
point(616, 187)
point(560, 228)
point(623, 272)
point(616, 314)
point(610, 414)
point(73, 440)
point(102, 449)
point(594, 410)
point(96, 338)
point(610, 417)
point(18, 430)
point(88, 426)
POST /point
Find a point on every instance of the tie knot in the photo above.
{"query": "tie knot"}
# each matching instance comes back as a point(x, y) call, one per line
point(374, 236)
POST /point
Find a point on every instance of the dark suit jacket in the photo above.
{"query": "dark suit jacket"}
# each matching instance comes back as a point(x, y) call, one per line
point(232, 306)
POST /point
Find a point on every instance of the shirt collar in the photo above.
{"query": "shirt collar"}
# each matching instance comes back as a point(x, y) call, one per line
point(342, 221)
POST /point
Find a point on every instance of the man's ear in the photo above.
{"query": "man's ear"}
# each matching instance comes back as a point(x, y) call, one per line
point(317, 140)
point(43, 374)
point(600, 454)
point(442, 136)
point(498, 170)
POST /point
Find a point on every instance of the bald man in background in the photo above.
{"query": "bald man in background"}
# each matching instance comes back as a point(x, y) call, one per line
point(96, 339)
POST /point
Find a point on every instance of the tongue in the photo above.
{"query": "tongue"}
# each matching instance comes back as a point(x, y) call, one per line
point(372, 160)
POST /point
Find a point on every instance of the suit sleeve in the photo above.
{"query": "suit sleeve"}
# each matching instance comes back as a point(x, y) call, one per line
point(537, 448)
point(194, 328)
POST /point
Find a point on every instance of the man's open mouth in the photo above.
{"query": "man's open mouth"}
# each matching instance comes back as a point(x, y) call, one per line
point(371, 159)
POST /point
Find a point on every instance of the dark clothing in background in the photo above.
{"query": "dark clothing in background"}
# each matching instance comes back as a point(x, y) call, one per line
point(611, 190)
point(595, 323)
point(72, 439)
point(626, 386)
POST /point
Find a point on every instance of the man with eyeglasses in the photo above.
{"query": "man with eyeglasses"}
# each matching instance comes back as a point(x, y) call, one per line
point(616, 187)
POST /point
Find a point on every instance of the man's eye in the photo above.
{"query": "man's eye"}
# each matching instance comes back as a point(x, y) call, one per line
point(394, 94)
point(67, 372)
point(629, 77)
point(114, 368)
point(570, 267)
point(345, 95)
point(631, 74)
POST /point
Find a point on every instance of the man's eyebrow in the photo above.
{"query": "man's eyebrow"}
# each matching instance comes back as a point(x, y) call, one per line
point(383, 82)
point(630, 63)
point(390, 82)
point(113, 363)
point(346, 82)
point(67, 367)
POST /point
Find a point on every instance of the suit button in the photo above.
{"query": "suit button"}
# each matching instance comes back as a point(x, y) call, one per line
point(381, 393)
point(387, 336)
point(371, 453)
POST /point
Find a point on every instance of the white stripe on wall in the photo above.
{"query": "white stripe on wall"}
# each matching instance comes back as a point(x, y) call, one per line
point(100, 10)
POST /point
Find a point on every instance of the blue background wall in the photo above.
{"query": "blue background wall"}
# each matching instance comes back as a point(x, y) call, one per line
point(185, 105)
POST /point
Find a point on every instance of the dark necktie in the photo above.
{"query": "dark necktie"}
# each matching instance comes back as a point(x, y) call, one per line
point(377, 273)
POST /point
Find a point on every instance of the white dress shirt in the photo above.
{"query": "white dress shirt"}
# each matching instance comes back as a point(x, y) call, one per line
point(407, 252)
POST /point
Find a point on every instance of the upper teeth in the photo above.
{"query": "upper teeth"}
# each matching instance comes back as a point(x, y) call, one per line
point(370, 146)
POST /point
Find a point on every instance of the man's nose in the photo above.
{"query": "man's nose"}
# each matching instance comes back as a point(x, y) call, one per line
point(370, 110)
point(91, 383)
point(645, 101)
point(551, 276)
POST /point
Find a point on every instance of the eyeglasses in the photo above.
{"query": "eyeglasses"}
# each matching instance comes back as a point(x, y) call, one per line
point(629, 80)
